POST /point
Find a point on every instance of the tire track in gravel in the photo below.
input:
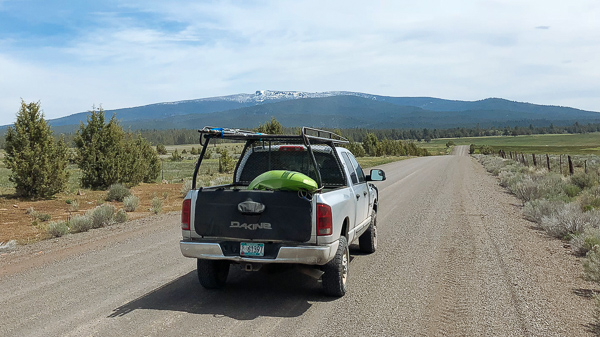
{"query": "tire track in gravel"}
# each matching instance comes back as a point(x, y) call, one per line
point(471, 269)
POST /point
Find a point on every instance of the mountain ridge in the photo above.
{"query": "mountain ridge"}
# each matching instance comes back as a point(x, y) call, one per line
point(342, 108)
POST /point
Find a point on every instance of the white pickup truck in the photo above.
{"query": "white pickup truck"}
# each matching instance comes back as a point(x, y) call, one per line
point(232, 224)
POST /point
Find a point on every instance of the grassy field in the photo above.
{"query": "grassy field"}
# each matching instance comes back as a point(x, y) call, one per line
point(540, 144)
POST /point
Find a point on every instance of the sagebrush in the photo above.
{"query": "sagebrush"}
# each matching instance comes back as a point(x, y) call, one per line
point(130, 203)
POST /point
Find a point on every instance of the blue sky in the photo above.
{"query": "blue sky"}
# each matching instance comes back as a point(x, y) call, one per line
point(72, 55)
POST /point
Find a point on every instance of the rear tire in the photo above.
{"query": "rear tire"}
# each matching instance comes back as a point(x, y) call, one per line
point(368, 240)
point(335, 278)
point(212, 274)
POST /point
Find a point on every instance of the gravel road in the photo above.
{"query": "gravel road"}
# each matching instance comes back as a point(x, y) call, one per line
point(455, 258)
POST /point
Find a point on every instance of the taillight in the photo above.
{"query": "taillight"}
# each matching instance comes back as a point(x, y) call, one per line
point(185, 214)
point(324, 220)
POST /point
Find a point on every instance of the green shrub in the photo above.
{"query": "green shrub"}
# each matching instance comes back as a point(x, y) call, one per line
point(493, 165)
point(569, 219)
point(175, 156)
point(571, 190)
point(120, 216)
point(508, 178)
point(57, 229)
point(551, 185)
point(583, 180)
point(131, 203)
point(102, 215)
point(486, 149)
point(590, 199)
point(226, 162)
point(526, 189)
point(73, 206)
point(156, 205)
point(535, 210)
point(80, 223)
point(583, 242)
point(38, 215)
point(161, 149)
point(43, 216)
point(117, 192)
point(591, 264)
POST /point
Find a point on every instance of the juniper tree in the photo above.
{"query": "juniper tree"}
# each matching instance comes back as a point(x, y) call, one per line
point(37, 162)
point(107, 155)
point(272, 128)
point(98, 148)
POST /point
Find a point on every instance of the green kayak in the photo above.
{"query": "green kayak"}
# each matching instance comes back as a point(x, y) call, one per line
point(280, 180)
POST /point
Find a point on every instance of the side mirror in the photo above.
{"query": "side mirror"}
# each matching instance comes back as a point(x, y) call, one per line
point(376, 175)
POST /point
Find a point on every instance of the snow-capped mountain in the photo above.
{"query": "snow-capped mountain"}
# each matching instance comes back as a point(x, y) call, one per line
point(336, 109)
point(269, 96)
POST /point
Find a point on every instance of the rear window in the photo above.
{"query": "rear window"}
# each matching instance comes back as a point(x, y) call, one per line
point(258, 160)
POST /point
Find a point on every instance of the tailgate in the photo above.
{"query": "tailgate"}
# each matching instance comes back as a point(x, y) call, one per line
point(253, 215)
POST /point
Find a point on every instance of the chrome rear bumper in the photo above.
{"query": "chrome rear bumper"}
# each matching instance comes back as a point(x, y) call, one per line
point(311, 255)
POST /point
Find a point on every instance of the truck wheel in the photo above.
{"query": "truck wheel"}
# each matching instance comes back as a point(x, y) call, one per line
point(212, 274)
point(368, 240)
point(336, 271)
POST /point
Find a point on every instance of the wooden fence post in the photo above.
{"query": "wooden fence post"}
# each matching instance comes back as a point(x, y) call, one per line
point(534, 161)
point(560, 163)
point(585, 163)
point(570, 165)
point(548, 161)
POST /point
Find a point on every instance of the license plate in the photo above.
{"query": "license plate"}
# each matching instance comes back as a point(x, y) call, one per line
point(252, 249)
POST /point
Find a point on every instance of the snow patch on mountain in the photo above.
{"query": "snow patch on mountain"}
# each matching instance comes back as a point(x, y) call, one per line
point(267, 96)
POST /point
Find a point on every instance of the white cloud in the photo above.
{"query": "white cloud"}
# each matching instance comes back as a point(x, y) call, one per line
point(147, 52)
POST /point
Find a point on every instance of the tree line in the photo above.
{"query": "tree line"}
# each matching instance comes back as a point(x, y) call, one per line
point(189, 136)
point(186, 136)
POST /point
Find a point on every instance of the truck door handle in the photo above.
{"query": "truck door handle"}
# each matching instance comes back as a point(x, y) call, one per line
point(357, 196)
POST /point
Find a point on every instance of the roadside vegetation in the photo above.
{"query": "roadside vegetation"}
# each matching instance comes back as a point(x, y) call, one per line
point(565, 206)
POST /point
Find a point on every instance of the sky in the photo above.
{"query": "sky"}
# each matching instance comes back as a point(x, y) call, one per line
point(73, 55)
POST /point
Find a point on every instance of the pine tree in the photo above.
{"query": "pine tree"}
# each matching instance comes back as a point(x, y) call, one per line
point(37, 162)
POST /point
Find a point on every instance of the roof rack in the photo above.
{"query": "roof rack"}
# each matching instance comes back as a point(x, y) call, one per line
point(324, 135)
point(309, 137)
point(315, 135)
